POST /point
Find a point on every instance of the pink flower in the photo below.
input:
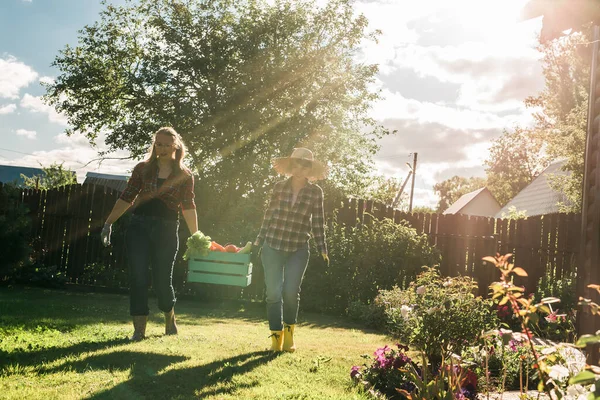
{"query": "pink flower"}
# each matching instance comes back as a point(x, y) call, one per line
point(355, 372)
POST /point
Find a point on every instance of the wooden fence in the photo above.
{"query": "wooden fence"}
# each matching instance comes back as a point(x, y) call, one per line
point(543, 245)
point(66, 225)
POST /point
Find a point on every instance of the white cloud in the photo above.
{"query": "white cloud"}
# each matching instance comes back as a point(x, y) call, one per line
point(76, 154)
point(35, 104)
point(26, 133)
point(14, 76)
point(47, 79)
point(8, 109)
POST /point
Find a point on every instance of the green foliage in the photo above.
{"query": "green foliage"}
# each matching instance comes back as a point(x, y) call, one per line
point(514, 160)
point(53, 177)
point(15, 232)
point(385, 190)
point(453, 188)
point(241, 81)
point(37, 274)
point(423, 209)
point(562, 122)
point(197, 245)
point(437, 315)
point(364, 259)
point(515, 214)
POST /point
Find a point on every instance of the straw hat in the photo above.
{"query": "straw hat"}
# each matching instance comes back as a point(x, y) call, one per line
point(283, 165)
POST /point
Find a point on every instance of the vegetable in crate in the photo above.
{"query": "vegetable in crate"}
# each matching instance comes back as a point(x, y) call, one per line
point(197, 245)
point(247, 249)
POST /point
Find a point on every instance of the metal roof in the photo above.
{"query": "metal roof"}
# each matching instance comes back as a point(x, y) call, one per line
point(538, 198)
point(116, 182)
point(12, 173)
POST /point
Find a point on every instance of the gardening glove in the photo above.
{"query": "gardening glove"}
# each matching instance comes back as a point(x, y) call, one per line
point(326, 259)
point(105, 234)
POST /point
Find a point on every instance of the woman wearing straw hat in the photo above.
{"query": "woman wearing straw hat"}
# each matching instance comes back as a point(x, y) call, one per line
point(295, 210)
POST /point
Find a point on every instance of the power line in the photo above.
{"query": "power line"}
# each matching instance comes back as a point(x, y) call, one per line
point(20, 152)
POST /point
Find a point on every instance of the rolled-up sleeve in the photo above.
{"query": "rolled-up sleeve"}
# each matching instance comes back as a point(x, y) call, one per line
point(188, 195)
point(134, 185)
point(273, 203)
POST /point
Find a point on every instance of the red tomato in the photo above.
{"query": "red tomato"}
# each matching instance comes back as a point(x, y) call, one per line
point(230, 248)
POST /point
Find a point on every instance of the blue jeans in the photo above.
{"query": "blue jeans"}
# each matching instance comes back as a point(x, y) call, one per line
point(284, 272)
point(152, 244)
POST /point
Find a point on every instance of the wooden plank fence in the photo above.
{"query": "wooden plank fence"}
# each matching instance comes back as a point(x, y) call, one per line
point(66, 225)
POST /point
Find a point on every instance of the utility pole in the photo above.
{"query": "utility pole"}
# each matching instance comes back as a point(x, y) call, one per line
point(397, 198)
point(412, 185)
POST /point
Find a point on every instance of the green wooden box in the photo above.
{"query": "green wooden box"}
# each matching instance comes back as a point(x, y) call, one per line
point(220, 268)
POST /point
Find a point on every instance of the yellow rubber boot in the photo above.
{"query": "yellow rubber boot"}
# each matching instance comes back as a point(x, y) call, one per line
point(288, 338)
point(276, 340)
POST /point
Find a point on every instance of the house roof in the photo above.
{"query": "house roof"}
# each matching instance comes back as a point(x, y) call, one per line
point(12, 173)
point(463, 201)
point(538, 198)
point(117, 182)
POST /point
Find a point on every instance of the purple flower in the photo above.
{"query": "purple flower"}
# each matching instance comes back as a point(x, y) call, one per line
point(355, 372)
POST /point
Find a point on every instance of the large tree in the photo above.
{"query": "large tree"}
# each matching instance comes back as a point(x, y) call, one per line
point(453, 188)
point(243, 81)
point(514, 160)
point(561, 121)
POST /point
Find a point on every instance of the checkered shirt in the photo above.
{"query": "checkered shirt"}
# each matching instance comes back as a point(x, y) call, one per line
point(176, 191)
point(288, 227)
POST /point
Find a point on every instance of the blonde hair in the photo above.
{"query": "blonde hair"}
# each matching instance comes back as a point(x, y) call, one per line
point(179, 145)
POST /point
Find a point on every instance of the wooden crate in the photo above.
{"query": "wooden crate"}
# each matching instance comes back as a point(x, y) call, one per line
point(220, 268)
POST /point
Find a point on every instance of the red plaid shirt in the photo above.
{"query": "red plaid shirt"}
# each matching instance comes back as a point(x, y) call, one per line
point(177, 190)
point(288, 227)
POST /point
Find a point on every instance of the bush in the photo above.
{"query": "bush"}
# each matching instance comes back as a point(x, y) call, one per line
point(386, 372)
point(15, 233)
point(364, 260)
point(437, 315)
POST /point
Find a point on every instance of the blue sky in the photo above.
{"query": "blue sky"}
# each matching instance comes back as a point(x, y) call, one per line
point(453, 75)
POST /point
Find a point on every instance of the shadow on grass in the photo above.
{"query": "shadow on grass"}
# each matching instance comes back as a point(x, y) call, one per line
point(31, 308)
point(141, 364)
point(48, 355)
point(214, 378)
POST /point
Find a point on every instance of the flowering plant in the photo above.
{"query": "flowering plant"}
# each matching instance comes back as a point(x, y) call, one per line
point(437, 315)
point(394, 375)
point(386, 372)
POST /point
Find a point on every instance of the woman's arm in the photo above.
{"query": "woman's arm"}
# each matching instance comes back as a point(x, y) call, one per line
point(191, 220)
point(188, 205)
point(318, 223)
point(273, 202)
point(118, 209)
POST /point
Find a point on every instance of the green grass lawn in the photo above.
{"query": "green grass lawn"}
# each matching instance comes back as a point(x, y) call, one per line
point(70, 345)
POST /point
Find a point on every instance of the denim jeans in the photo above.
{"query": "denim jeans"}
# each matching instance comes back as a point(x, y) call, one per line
point(152, 244)
point(284, 272)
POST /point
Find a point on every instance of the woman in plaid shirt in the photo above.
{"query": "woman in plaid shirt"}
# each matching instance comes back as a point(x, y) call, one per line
point(159, 186)
point(295, 210)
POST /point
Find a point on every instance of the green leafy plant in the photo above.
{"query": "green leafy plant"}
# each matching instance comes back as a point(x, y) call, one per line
point(366, 258)
point(551, 375)
point(437, 315)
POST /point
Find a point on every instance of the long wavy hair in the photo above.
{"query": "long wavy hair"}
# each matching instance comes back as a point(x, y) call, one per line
point(180, 152)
